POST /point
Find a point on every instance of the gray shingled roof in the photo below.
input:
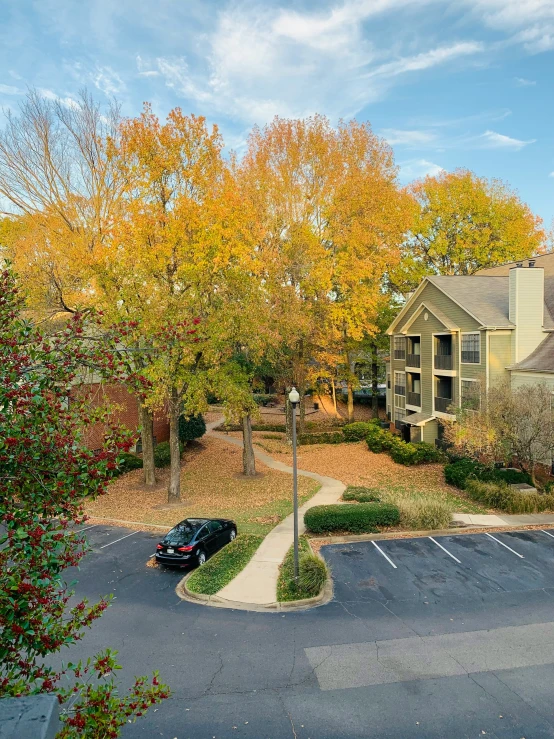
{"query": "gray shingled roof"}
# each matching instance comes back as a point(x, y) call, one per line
point(544, 261)
point(541, 360)
point(484, 297)
point(418, 419)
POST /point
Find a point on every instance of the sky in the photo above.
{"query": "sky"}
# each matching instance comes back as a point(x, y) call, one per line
point(449, 83)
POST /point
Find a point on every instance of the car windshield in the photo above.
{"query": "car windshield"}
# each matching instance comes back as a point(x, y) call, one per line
point(184, 532)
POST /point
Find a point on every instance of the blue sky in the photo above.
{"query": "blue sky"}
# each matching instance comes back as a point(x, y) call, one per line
point(450, 83)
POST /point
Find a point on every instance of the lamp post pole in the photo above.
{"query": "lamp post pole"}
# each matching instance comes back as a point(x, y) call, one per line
point(294, 398)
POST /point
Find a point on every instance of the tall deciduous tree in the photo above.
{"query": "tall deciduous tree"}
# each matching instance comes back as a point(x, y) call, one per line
point(463, 223)
point(333, 217)
point(182, 260)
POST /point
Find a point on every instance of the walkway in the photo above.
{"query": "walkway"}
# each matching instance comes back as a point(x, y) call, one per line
point(257, 583)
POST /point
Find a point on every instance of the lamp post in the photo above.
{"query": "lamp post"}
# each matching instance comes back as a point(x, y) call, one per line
point(294, 398)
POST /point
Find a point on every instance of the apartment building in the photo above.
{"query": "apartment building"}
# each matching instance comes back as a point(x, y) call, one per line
point(457, 336)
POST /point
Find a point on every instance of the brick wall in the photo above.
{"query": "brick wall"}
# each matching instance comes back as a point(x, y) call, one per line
point(125, 412)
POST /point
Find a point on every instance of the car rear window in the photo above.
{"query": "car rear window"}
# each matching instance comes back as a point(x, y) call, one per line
point(183, 533)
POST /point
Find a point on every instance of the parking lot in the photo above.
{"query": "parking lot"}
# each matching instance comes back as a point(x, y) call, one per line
point(454, 641)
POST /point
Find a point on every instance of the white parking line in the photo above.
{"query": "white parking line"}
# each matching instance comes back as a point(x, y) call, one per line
point(505, 545)
point(389, 560)
point(123, 537)
point(444, 549)
point(547, 533)
point(89, 527)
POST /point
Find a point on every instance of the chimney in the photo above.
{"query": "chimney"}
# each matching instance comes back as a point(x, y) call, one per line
point(526, 306)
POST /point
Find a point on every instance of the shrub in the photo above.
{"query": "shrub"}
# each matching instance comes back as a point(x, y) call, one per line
point(378, 440)
point(361, 494)
point(127, 463)
point(408, 453)
point(272, 436)
point(359, 430)
point(429, 453)
point(220, 569)
point(457, 473)
point(424, 514)
point(325, 437)
point(191, 428)
point(162, 454)
point(513, 476)
point(500, 495)
point(264, 427)
point(264, 399)
point(312, 574)
point(364, 517)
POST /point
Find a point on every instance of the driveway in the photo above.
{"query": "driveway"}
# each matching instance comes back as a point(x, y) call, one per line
point(418, 642)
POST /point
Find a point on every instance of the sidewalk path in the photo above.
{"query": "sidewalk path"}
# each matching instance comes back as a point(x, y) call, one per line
point(257, 583)
point(523, 519)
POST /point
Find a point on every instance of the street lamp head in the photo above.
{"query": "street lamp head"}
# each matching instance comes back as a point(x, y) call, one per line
point(294, 396)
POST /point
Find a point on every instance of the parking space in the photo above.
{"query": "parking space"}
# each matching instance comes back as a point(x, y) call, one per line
point(433, 568)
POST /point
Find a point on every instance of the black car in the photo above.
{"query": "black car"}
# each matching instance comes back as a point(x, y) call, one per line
point(193, 540)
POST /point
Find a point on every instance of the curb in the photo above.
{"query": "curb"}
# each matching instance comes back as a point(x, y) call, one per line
point(458, 531)
point(216, 601)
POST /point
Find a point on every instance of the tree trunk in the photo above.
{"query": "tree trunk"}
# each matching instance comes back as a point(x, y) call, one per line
point(147, 436)
point(174, 491)
point(374, 390)
point(350, 405)
point(334, 392)
point(248, 458)
point(302, 410)
point(288, 418)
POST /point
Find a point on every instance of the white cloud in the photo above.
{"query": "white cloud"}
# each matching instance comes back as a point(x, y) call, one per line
point(522, 82)
point(400, 137)
point(142, 68)
point(10, 90)
point(551, 174)
point(494, 140)
point(107, 80)
point(68, 101)
point(414, 169)
point(531, 21)
point(427, 59)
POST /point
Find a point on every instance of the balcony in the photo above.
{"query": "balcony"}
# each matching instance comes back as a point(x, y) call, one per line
point(400, 354)
point(442, 404)
point(413, 360)
point(414, 399)
point(444, 361)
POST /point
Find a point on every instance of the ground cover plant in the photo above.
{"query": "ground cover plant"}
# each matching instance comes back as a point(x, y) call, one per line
point(505, 498)
point(220, 569)
point(313, 573)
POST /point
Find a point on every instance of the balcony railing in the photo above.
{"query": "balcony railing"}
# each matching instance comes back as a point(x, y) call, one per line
point(400, 354)
point(443, 361)
point(400, 390)
point(443, 404)
point(413, 360)
point(414, 399)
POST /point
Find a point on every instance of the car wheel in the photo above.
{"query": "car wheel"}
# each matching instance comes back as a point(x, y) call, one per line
point(232, 535)
point(201, 558)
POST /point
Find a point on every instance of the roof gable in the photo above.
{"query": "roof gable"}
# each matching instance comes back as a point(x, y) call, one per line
point(439, 315)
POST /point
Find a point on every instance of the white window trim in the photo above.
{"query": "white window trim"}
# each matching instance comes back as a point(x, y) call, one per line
point(470, 333)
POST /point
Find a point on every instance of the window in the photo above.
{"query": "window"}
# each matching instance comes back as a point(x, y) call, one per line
point(388, 382)
point(471, 348)
point(400, 383)
point(471, 395)
point(399, 414)
point(399, 347)
point(215, 526)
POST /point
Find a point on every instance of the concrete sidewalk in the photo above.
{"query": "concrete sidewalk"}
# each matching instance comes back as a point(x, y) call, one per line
point(257, 583)
point(527, 519)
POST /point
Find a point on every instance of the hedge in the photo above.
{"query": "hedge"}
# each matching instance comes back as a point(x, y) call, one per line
point(361, 494)
point(458, 473)
point(220, 569)
point(359, 430)
point(505, 498)
point(264, 399)
point(325, 437)
point(363, 517)
point(162, 454)
point(402, 452)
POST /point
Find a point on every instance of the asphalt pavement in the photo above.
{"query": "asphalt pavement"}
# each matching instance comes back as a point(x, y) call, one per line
point(448, 637)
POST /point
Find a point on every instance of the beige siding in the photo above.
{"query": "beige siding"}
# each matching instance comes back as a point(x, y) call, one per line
point(430, 432)
point(477, 371)
point(426, 328)
point(532, 378)
point(431, 294)
point(500, 356)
